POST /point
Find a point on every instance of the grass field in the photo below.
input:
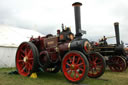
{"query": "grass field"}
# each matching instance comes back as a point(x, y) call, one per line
point(109, 78)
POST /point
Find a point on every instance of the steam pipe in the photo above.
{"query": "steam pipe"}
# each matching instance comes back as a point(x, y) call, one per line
point(117, 34)
point(77, 18)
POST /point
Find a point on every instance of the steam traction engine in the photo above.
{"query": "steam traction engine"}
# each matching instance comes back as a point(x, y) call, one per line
point(65, 51)
point(116, 55)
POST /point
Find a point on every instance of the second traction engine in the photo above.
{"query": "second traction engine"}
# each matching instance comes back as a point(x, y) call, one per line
point(65, 51)
point(116, 55)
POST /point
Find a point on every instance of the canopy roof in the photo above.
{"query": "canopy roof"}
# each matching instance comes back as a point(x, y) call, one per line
point(13, 36)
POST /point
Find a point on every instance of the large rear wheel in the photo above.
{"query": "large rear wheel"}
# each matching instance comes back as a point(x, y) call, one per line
point(75, 66)
point(26, 58)
point(97, 65)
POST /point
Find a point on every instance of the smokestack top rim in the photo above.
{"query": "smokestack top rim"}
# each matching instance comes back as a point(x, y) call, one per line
point(77, 4)
point(116, 23)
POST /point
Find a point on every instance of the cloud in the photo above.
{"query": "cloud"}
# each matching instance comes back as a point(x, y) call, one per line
point(46, 16)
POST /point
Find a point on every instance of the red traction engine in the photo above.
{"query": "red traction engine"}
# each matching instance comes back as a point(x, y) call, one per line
point(66, 52)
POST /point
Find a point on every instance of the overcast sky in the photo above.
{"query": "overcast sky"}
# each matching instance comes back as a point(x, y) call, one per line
point(46, 16)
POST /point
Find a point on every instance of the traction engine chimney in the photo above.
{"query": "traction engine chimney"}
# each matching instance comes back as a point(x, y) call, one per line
point(116, 25)
point(77, 18)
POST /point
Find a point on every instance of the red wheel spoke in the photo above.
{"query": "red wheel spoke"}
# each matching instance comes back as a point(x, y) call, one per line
point(29, 70)
point(22, 51)
point(29, 53)
point(26, 52)
point(22, 56)
point(80, 64)
point(81, 69)
point(77, 73)
point(73, 60)
point(118, 60)
point(26, 65)
point(20, 61)
point(68, 64)
point(74, 75)
point(70, 72)
point(70, 59)
point(78, 60)
point(30, 59)
point(67, 69)
point(90, 61)
point(23, 64)
point(96, 59)
point(29, 66)
point(22, 70)
point(30, 56)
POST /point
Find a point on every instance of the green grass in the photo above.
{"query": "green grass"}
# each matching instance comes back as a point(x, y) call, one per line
point(109, 78)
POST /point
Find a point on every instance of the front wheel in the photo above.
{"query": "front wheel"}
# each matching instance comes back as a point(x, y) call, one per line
point(97, 65)
point(75, 66)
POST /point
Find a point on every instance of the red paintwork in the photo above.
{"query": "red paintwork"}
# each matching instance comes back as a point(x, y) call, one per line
point(23, 67)
point(42, 45)
point(95, 64)
point(76, 73)
point(118, 64)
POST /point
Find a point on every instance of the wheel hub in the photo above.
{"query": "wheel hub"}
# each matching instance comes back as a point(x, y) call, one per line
point(25, 59)
point(72, 67)
point(94, 64)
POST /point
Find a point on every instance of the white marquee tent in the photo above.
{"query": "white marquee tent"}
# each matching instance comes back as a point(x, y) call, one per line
point(10, 39)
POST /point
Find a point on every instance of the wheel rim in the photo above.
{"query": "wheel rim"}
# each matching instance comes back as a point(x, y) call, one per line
point(95, 65)
point(118, 64)
point(24, 59)
point(74, 67)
